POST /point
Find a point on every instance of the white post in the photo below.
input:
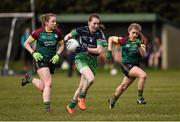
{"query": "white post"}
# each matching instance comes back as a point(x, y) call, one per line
point(6, 66)
point(5, 70)
point(33, 11)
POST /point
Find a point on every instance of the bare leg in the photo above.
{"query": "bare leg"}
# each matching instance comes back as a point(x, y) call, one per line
point(45, 75)
point(120, 89)
point(38, 83)
point(89, 79)
point(77, 92)
point(138, 73)
point(124, 85)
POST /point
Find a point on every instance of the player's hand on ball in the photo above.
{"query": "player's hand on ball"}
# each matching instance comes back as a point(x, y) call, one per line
point(71, 44)
point(55, 59)
point(37, 56)
point(81, 49)
point(84, 48)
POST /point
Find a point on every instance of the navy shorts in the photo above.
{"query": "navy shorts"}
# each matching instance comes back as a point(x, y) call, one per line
point(126, 68)
point(41, 64)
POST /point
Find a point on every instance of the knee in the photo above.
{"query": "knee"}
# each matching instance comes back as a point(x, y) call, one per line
point(48, 84)
point(143, 76)
point(91, 80)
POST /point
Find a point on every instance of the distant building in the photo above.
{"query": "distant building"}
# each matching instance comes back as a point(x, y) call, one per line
point(152, 24)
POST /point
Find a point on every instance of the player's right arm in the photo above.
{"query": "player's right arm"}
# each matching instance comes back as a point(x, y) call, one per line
point(27, 44)
point(111, 40)
point(73, 33)
point(67, 37)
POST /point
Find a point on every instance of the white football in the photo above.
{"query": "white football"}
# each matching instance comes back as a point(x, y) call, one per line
point(113, 71)
point(72, 44)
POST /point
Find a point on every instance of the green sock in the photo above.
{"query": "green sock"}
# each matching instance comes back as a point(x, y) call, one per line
point(29, 78)
point(82, 95)
point(140, 94)
point(115, 98)
point(46, 106)
point(72, 104)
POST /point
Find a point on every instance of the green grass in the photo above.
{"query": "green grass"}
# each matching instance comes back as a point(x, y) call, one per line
point(162, 93)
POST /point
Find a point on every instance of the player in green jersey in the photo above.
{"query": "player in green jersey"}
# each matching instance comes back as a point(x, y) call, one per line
point(92, 40)
point(49, 45)
point(133, 50)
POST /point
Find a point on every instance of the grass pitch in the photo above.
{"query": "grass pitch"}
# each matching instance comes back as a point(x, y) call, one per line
point(162, 93)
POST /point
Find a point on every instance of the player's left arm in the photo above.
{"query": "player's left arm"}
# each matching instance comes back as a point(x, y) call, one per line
point(111, 40)
point(142, 48)
point(60, 43)
point(60, 47)
point(101, 42)
point(27, 44)
point(73, 33)
point(97, 50)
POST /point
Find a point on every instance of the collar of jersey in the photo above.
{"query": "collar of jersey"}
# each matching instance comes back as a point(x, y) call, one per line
point(48, 30)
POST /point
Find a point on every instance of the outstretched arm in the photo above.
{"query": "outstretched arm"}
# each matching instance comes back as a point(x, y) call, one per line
point(111, 40)
point(68, 36)
point(97, 50)
point(142, 48)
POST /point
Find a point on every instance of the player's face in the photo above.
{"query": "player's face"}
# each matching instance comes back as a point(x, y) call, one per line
point(133, 34)
point(51, 24)
point(94, 24)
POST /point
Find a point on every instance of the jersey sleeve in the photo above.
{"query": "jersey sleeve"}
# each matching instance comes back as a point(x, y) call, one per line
point(36, 33)
point(59, 33)
point(122, 40)
point(59, 36)
point(74, 33)
point(102, 43)
point(77, 31)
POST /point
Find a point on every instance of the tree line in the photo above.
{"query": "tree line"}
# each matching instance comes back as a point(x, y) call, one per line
point(169, 9)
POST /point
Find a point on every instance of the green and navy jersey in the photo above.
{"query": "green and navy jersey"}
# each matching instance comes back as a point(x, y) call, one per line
point(130, 51)
point(46, 42)
point(88, 39)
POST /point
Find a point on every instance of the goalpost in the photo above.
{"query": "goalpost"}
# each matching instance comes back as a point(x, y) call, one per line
point(15, 16)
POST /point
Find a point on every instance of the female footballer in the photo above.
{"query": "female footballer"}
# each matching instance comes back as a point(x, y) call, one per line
point(49, 46)
point(91, 39)
point(133, 49)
